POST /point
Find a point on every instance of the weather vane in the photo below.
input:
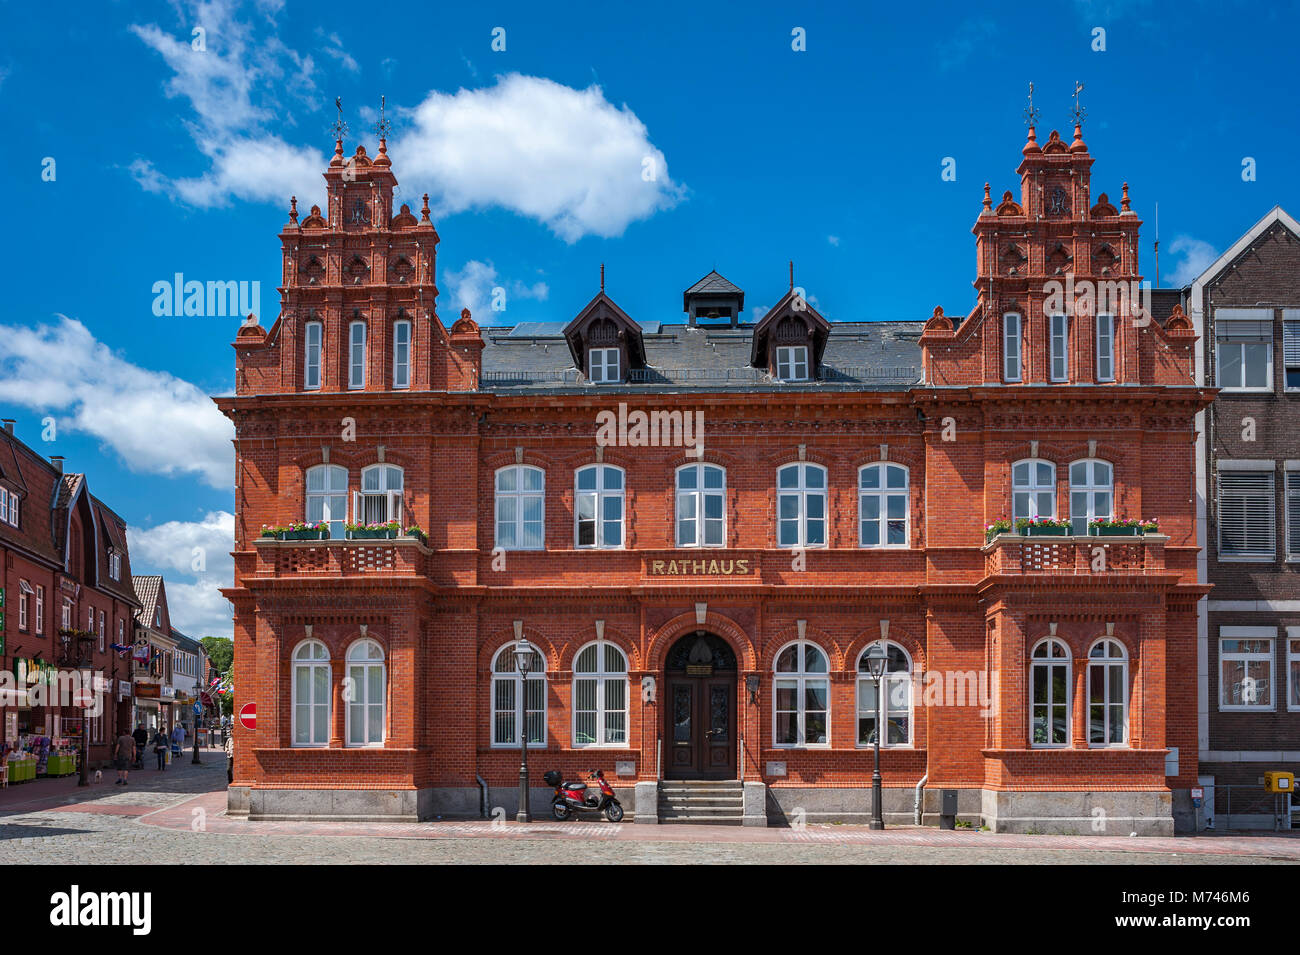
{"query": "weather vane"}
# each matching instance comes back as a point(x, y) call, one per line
point(340, 128)
point(383, 126)
point(1079, 112)
point(1031, 113)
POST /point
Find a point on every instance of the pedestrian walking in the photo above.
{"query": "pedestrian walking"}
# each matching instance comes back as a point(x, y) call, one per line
point(141, 737)
point(160, 747)
point(178, 739)
point(123, 753)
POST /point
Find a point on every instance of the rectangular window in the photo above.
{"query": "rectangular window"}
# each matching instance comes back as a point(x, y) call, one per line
point(1245, 668)
point(66, 619)
point(602, 366)
point(792, 363)
point(24, 588)
point(13, 509)
point(1291, 347)
point(357, 355)
point(1105, 347)
point(1247, 514)
point(402, 355)
point(311, 372)
point(4, 505)
point(1011, 347)
point(1293, 668)
point(1293, 515)
point(1060, 347)
point(1244, 352)
point(40, 609)
point(101, 631)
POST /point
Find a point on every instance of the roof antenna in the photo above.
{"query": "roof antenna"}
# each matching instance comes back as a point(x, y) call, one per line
point(602, 276)
point(1157, 245)
point(792, 275)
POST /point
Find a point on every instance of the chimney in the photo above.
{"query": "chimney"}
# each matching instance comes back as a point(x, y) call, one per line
point(57, 461)
point(9, 424)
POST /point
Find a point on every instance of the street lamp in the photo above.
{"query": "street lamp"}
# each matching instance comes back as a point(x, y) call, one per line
point(876, 657)
point(198, 712)
point(523, 662)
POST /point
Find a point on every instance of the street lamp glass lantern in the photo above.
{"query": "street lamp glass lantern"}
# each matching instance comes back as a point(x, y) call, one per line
point(876, 657)
point(523, 656)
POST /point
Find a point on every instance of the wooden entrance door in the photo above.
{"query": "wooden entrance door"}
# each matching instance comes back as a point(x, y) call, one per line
point(701, 727)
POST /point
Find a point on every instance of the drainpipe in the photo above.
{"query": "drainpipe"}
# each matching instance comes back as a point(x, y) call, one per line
point(916, 801)
point(483, 796)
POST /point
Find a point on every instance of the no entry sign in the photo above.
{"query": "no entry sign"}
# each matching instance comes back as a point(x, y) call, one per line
point(248, 716)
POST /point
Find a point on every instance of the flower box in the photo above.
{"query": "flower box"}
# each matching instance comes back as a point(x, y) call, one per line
point(1117, 531)
point(306, 535)
point(1045, 530)
point(381, 533)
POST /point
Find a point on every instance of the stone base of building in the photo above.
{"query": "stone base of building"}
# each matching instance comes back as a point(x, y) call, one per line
point(391, 805)
point(1080, 813)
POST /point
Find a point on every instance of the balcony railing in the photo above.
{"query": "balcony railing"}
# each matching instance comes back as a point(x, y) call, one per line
point(1084, 556)
point(402, 556)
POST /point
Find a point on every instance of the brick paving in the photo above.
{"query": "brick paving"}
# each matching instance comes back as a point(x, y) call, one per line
point(178, 815)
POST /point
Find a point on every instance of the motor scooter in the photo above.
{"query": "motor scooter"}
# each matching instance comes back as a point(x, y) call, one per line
point(573, 797)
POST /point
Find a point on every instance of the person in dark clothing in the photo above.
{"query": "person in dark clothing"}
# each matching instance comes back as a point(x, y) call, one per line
point(141, 737)
point(160, 747)
point(123, 752)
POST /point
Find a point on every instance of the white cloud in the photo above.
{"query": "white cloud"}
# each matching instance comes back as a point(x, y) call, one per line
point(474, 287)
point(833, 240)
point(1193, 257)
point(334, 49)
point(566, 157)
point(196, 604)
point(65, 371)
point(758, 311)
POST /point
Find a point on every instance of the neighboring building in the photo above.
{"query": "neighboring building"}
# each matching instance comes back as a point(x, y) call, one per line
point(704, 609)
point(154, 646)
point(66, 578)
point(189, 666)
point(1246, 307)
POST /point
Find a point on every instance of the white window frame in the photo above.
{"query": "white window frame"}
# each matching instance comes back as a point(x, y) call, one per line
point(504, 671)
point(1107, 662)
point(801, 492)
point(1233, 470)
point(14, 502)
point(24, 588)
point(325, 494)
point(40, 609)
point(311, 367)
point(1059, 347)
point(356, 355)
point(1105, 328)
point(697, 499)
point(1292, 669)
point(1291, 505)
point(101, 631)
point(361, 692)
point(1033, 488)
point(401, 368)
point(1049, 662)
point(1091, 488)
point(881, 494)
point(792, 363)
point(1224, 319)
point(801, 677)
point(4, 505)
point(1266, 635)
point(603, 366)
point(389, 494)
point(115, 565)
point(310, 663)
point(603, 677)
point(1012, 335)
point(519, 495)
point(894, 684)
point(1290, 346)
point(599, 496)
point(66, 619)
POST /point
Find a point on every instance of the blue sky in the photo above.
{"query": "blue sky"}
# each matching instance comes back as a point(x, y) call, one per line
point(168, 159)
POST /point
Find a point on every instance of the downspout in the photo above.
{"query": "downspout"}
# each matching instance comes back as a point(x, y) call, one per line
point(483, 796)
point(916, 801)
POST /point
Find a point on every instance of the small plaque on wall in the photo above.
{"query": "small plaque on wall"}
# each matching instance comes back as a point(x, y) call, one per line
point(625, 767)
point(776, 769)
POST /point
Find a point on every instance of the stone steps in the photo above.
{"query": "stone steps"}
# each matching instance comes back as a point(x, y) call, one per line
point(701, 802)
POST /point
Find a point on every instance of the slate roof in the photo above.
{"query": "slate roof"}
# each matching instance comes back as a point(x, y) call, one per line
point(713, 284)
point(859, 356)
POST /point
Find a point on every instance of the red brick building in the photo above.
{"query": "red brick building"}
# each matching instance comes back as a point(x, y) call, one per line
point(66, 574)
point(702, 527)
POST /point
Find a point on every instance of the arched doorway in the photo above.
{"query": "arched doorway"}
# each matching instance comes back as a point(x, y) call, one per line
point(700, 675)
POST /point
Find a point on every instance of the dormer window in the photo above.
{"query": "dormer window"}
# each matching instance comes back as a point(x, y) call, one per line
point(602, 366)
point(792, 362)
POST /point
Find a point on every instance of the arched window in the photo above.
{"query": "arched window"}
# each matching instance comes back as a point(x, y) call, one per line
point(801, 505)
point(882, 505)
point(1033, 489)
point(802, 688)
point(1107, 694)
point(369, 690)
point(1091, 493)
point(1049, 687)
point(701, 506)
point(327, 496)
point(310, 692)
point(520, 507)
point(515, 705)
point(896, 684)
point(600, 696)
point(380, 498)
point(598, 506)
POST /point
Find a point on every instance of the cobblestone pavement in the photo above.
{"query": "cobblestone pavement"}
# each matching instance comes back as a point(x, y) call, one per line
point(178, 816)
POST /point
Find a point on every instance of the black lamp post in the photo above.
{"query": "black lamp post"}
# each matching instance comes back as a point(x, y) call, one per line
point(523, 662)
point(197, 714)
point(876, 657)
